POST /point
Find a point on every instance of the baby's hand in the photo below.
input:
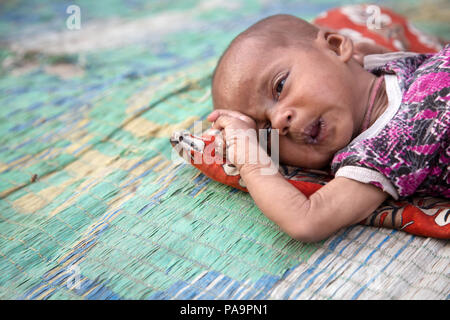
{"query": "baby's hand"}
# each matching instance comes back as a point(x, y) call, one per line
point(239, 133)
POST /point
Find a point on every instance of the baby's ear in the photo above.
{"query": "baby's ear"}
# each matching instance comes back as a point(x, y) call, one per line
point(341, 45)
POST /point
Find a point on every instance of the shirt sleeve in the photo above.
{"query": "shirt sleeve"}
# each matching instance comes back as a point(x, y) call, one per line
point(366, 175)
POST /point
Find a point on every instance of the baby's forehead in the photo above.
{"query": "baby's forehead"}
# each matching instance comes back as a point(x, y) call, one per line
point(243, 69)
point(245, 59)
point(239, 77)
point(250, 55)
point(260, 44)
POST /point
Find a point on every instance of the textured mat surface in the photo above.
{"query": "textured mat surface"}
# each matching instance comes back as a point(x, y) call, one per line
point(93, 207)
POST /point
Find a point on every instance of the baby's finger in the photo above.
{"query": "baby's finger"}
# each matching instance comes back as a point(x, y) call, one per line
point(231, 113)
point(213, 116)
point(222, 122)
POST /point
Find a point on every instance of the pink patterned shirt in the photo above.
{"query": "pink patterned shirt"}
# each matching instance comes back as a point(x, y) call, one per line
point(407, 150)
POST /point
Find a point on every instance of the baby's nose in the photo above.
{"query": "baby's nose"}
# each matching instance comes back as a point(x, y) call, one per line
point(281, 120)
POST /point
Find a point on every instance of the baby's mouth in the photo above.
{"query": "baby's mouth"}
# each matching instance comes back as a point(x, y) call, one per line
point(314, 133)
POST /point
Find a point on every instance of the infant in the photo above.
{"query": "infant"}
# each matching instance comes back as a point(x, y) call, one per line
point(382, 133)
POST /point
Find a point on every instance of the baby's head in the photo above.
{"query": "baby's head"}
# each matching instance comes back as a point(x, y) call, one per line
point(288, 74)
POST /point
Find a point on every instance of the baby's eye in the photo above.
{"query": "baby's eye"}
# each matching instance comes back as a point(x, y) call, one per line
point(278, 87)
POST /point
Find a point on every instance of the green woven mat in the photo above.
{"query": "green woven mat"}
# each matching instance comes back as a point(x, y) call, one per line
point(91, 203)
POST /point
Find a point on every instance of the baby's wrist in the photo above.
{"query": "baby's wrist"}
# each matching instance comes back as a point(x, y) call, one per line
point(248, 170)
point(257, 169)
point(254, 158)
point(244, 154)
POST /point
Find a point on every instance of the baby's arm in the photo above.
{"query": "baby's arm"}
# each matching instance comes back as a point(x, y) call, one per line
point(341, 202)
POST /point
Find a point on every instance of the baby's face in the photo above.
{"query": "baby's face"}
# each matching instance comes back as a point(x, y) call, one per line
point(307, 94)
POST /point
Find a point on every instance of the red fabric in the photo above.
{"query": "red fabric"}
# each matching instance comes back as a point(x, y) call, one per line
point(395, 32)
